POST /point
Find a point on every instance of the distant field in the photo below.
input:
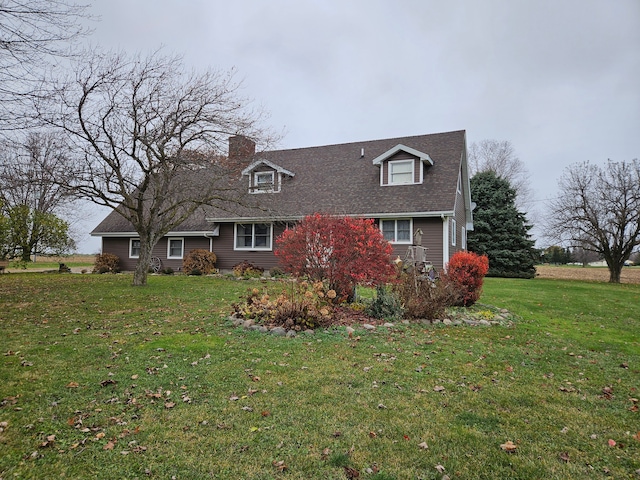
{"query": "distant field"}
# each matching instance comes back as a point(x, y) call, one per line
point(594, 274)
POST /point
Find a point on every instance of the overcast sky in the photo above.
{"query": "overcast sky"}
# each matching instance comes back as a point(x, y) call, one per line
point(559, 79)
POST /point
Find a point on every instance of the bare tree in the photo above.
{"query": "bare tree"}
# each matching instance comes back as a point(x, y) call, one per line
point(598, 209)
point(150, 137)
point(499, 157)
point(32, 201)
point(34, 34)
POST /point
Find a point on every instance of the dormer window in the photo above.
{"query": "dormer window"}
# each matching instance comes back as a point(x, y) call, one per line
point(401, 172)
point(402, 165)
point(265, 176)
point(264, 181)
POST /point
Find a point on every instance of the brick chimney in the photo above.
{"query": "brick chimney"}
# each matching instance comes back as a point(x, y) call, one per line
point(241, 147)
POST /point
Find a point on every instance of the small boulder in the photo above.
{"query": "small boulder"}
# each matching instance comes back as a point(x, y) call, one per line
point(278, 331)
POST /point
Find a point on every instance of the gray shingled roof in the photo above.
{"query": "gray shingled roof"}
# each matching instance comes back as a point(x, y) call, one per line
point(336, 179)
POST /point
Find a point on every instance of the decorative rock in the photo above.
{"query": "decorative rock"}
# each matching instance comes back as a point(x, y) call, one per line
point(278, 331)
point(254, 327)
point(247, 323)
point(446, 321)
point(498, 318)
point(236, 321)
point(350, 329)
point(367, 326)
point(309, 332)
point(291, 333)
point(485, 323)
point(389, 325)
point(457, 322)
point(406, 322)
point(263, 329)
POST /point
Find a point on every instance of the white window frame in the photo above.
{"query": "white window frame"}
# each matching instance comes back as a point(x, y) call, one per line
point(267, 187)
point(453, 232)
point(253, 237)
point(399, 162)
point(131, 240)
point(174, 257)
point(395, 230)
point(463, 238)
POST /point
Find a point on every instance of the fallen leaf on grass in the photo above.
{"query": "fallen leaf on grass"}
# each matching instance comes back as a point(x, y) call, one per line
point(373, 434)
point(169, 405)
point(351, 473)
point(564, 456)
point(611, 442)
point(440, 468)
point(279, 465)
point(109, 445)
point(438, 388)
point(109, 381)
point(637, 436)
point(72, 385)
point(509, 446)
point(423, 446)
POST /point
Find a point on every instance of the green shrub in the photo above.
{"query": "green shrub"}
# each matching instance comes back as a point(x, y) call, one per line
point(247, 269)
point(385, 305)
point(200, 259)
point(168, 271)
point(106, 262)
point(195, 272)
point(276, 272)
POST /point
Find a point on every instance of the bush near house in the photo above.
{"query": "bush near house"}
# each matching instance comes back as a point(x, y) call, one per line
point(341, 251)
point(466, 271)
point(201, 260)
point(106, 263)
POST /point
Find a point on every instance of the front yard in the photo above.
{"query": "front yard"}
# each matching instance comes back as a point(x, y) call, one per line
point(100, 379)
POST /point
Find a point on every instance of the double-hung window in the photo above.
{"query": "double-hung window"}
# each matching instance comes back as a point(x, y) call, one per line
point(134, 248)
point(396, 231)
point(401, 172)
point(253, 236)
point(175, 248)
point(264, 181)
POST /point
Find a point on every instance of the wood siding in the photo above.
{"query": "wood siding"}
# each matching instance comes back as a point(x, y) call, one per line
point(223, 247)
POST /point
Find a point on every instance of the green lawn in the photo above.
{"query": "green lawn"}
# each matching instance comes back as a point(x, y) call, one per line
point(102, 380)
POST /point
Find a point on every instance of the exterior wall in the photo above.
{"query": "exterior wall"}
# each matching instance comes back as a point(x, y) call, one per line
point(461, 223)
point(223, 247)
point(120, 246)
point(431, 239)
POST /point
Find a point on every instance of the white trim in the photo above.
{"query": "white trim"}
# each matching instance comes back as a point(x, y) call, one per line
point(463, 238)
point(277, 168)
point(269, 187)
point(445, 241)
point(174, 257)
point(454, 233)
point(395, 230)
point(182, 233)
point(131, 240)
point(293, 218)
point(253, 237)
point(424, 157)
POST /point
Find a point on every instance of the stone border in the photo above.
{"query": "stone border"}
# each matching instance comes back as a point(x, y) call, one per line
point(498, 319)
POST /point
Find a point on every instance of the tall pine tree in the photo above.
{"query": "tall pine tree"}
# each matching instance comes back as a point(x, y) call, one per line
point(500, 230)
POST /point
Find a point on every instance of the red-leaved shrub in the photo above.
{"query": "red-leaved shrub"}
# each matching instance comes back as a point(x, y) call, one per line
point(341, 251)
point(466, 270)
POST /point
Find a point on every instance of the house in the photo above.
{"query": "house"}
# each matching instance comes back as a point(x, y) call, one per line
point(405, 184)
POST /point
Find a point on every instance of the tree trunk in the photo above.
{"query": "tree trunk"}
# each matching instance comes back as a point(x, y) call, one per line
point(614, 274)
point(142, 267)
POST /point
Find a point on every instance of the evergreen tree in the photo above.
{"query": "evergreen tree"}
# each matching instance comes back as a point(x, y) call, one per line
point(500, 231)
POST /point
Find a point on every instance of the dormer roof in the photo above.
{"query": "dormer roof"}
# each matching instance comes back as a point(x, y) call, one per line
point(257, 163)
point(424, 157)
